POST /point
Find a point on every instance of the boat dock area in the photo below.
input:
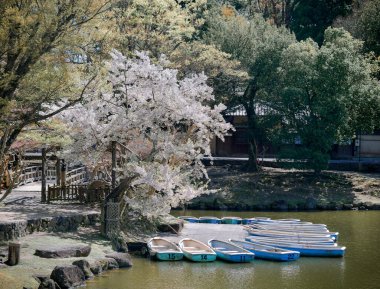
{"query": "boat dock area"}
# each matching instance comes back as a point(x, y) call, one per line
point(204, 232)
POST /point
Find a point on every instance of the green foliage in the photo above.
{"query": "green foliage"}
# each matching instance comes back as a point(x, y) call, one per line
point(369, 26)
point(257, 45)
point(310, 18)
point(326, 94)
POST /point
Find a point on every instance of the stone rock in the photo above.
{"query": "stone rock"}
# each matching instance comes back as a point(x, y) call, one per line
point(85, 267)
point(96, 268)
point(112, 264)
point(104, 263)
point(119, 244)
point(3, 266)
point(68, 277)
point(64, 252)
point(48, 284)
point(123, 259)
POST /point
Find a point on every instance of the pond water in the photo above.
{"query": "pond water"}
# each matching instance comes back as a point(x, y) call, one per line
point(359, 268)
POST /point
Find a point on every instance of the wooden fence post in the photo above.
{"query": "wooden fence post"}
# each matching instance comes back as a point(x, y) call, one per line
point(43, 176)
point(13, 254)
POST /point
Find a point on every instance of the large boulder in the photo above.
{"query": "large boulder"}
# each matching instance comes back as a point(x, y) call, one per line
point(96, 267)
point(85, 267)
point(68, 277)
point(64, 252)
point(123, 259)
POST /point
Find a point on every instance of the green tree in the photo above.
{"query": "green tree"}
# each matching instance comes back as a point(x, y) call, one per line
point(310, 18)
point(327, 94)
point(258, 46)
point(40, 40)
point(369, 26)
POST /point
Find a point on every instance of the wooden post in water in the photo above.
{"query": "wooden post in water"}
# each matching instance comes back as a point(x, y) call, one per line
point(13, 254)
point(43, 177)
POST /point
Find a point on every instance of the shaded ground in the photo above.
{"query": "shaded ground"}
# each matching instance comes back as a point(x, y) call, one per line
point(22, 274)
point(25, 203)
point(279, 189)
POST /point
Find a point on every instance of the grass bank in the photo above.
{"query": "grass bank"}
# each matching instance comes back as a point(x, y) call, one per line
point(282, 190)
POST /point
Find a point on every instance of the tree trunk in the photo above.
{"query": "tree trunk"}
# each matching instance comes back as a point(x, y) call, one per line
point(252, 165)
point(13, 254)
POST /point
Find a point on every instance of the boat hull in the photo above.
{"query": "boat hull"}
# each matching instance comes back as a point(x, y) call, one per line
point(203, 257)
point(231, 221)
point(210, 221)
point(269, 255)
point(169, 256)
point(236, 258)
point(309, 251)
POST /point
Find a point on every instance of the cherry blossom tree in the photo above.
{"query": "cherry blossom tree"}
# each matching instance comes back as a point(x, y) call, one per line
point(163, 124)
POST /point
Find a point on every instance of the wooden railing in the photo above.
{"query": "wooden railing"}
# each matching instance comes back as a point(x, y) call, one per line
point(29, 175)
point(76, 176)
point(77, 193)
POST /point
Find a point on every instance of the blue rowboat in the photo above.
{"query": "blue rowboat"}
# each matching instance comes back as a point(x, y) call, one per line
point(289, 240)
point(309, 250)
point(196, 251)
point(289, 234)
point(209, 220)
point(268, 252)
point(230, 252)
point(231, 220)
point(164, 250)
point(248, 221)
point(189, 219)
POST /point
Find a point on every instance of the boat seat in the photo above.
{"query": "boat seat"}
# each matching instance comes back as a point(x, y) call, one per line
point(158, 246)
point(190, 248)
point(219, 248)
point(230, 251)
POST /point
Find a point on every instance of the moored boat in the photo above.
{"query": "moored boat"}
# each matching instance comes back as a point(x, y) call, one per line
point(231, 220)
point(292, 240)
point(309, 250)
point(164, 250)
point(285, 234)
point(230, 252)
point(196, 251)
point(267, 252)
point(189, 219)
point(209, 220)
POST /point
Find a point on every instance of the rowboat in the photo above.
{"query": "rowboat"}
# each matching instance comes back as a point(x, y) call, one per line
point(230, 252)
point(292, 229)
point(164, 250)
point(189, 219)
point(209, 220)
point(267, 252)
point(289, 240)
point(196, 251)
point(247, 221)
point(309, 250)
point(231, 220)
point(285, 234)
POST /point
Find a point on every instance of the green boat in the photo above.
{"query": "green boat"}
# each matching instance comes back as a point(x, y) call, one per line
point(164, 250)
point(231, 220)
point(197, 251)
